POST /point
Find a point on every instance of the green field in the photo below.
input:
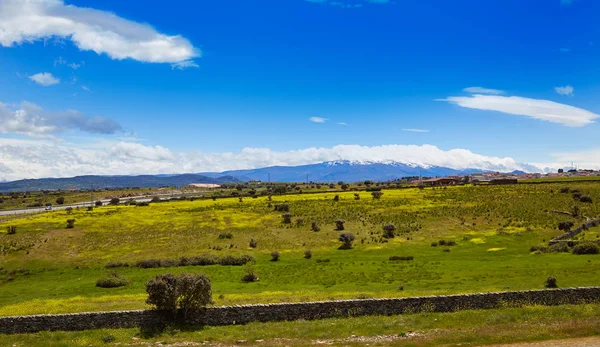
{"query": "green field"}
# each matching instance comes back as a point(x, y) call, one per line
point(48, 268)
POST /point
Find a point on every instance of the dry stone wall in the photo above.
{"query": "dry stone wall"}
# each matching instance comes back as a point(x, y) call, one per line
point(229, 315)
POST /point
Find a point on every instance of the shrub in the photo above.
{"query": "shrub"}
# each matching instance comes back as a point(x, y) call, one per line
point(299, 222)
point(397, 258)
point(446, 243)
point(346, 239)
point(275, 256)
point(447, 250)
point(314, 226)
point(250, 275)
point(11, 229)
point(586, 248)
point(376, 194)
point(339, 224)
point(98, 203)
point(108, 339)
point(225, 235)
point(115, 263)
point(282, 207)
point(389, 231)
point(538, 248)
point(560, 247)
point(194, 291)
point(60, 200)
point(142, 203)
point(323, 261)
point(336, 198)
point(112, 280)
point(287, 218)
point(586, 199)
point(253, 244)
point(551, 282)
point(565, 190)
point(576, 195)
point(115, 201)
point(307, 254)
point(70, 223)
point(565, 225)
point(189, 292)
point(356, 196)
point(155, 199)
point(69, 210)
point(236, 260)
point(434, 244)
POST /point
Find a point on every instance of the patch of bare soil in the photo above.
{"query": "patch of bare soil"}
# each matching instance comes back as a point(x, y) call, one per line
point(593, 341)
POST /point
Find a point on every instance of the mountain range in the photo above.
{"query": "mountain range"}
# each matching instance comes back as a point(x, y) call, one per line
point(331, 171)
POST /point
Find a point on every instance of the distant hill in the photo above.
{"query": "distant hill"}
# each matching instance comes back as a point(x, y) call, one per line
point(346, 171)
point(85, 182)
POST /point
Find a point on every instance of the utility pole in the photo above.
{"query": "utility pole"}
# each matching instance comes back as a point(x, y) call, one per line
point(92, 195)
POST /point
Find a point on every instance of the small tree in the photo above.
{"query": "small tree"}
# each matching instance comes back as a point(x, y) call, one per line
point(339, 224)
point(586, 199)
point(551, 282)
point(307, 254)
point(162, 292)
point(115, 201)
point(565, 225)
point(282, 207)
point(98, 203)
point(346, 239)
point(11, 229)
point(356, 196)
point(194, 291)
point(336, 198)
point(70, 223)
point(376, 194)
point(250, 275)
point(275, 256)
point(60, 200)
point(314, 226)
point(253, 244)
point(389, 231)
point(287, 218)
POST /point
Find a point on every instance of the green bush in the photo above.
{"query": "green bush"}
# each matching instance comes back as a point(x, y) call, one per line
point(377, 194)
point(282, 207)
point(189, 292)
point(116, 263)
point(287, 218)
point(346, 239)
point(11, 229)
point(559, 247)
point(108, 339)
point(70, 223)
point(112, 280)
point(339, 224)
point(551, 282)
point(389, 231)
point(565, 225)
point(307, 254)
point(401, 258)
point(586, 248)
point(275, 256)
point(225, 235)
point(314, 226)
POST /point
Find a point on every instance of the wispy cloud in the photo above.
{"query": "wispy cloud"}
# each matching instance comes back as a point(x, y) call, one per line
point(74, 66)
point(566, 90)
point(349, 3)
point(318, 119)
point(342, 123)
point(481, 90)
point(32, 120)
point(538, 109)
point(416, 130)
point(44, 79)
point(184, 65)
point(59, 61)
point(90, 30)
point(86, 89)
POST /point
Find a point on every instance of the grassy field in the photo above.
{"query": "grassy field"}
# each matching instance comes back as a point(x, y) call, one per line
point(465, 328)
point(50, 269)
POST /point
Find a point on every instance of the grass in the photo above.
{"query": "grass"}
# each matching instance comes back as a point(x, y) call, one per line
point(505, 325)
point(54, 269)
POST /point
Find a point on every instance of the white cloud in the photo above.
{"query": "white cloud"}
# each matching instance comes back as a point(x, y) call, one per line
point(481, 90)
point(566, 90)
point(318, 119)
point(416, 130)
point(59, 61)
point(91, 30)
point(538, 109)
point(44, 79)
point(45, 158)
point(86, 89)
point(74, 66)
point(342, 123)
point(31, 120)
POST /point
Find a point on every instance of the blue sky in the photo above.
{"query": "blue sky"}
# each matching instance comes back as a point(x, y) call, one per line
point(110, 86)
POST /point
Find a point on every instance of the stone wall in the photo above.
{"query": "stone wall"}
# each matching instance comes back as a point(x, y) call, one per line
point(229, 315)
point(572, 233)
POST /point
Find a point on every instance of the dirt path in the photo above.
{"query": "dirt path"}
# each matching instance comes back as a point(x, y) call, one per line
point(593, 341)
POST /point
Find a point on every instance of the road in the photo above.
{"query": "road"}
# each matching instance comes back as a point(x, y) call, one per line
point(83, 204)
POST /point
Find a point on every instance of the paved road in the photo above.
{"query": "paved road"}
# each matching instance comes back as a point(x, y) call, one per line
point(82, 204)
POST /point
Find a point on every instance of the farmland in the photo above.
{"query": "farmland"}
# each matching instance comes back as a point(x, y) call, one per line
point(460, 239)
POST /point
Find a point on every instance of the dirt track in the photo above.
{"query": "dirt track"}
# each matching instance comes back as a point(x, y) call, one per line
point(593, 341)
